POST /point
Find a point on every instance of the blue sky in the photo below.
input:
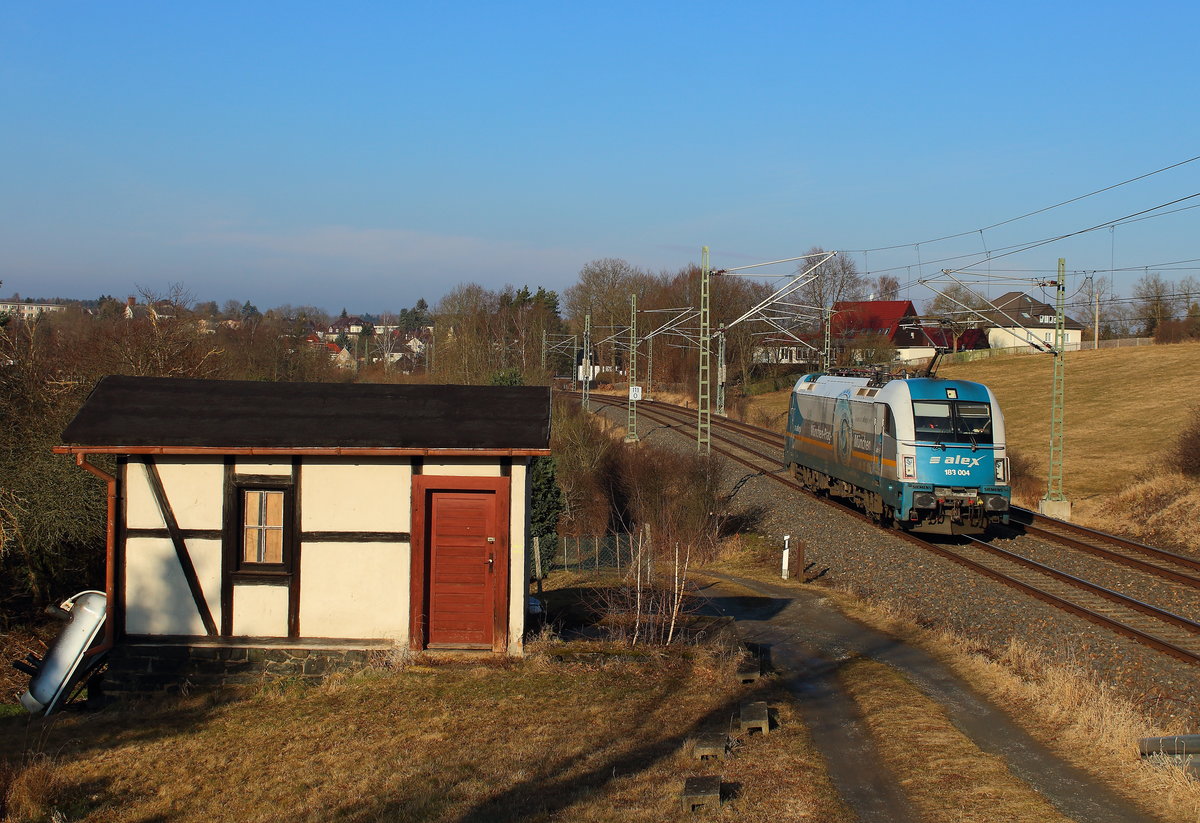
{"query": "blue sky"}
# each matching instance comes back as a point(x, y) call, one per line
point(367, 154)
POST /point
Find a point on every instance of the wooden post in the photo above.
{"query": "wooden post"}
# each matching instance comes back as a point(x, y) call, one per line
point(537, 563)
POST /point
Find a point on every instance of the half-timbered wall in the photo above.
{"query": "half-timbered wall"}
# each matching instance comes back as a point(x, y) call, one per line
point(355, 523)
point(158, 599)
point(352, 552)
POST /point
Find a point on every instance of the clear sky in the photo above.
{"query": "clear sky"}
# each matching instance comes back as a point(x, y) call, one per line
point(367, 154)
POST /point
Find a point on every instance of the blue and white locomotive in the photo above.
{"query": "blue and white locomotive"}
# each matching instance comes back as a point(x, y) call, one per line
point(925, 453)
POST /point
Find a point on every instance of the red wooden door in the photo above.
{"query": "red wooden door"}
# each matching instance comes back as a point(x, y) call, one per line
point(462, 568)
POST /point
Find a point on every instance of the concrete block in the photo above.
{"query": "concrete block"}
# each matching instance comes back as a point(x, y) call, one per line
point(703, 793)
point(749, 671)
point(1060, 509)
point(711, 746)
point(755, 717)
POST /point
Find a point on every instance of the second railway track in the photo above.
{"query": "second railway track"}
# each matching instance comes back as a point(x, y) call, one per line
point(1135, 618)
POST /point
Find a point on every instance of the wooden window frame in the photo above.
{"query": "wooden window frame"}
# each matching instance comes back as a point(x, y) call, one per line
point(247, 571)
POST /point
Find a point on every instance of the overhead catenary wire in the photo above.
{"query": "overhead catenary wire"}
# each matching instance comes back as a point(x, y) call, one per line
point(1028, 214)
point(1107, 223)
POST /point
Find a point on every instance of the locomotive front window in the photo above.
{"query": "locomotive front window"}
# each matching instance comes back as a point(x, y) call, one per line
point(940, 421)
point(933, 419)
point(974, 422)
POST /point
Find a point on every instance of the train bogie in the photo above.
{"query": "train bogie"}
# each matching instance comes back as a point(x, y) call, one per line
point(923, 453)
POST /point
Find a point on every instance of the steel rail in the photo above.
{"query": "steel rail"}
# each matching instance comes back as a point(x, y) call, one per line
point(1046, 525)
point(681, 417)
point(1035, 530)
point(1088, 586)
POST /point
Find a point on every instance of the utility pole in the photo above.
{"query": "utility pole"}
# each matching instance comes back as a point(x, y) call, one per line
point(827, 351)
point(721, 370)
point(635, 390)
point(576, 356)
point(649, 367)
point(1095, 315)
point(543, 352)
point(587, 362)
point(703, 395)
point(1055, 503)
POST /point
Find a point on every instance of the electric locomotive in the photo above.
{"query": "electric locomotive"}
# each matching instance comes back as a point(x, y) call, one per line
point(923, 453)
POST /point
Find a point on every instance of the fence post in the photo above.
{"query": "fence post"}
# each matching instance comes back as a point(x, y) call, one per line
point(537, 563)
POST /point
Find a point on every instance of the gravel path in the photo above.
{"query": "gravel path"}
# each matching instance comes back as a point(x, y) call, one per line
point(849, 552)
point(808, 642)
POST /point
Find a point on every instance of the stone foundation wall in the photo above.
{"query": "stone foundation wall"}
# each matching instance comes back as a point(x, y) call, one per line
point(143, 669)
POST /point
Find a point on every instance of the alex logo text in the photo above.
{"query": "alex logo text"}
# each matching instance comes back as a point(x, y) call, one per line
point(955, 460)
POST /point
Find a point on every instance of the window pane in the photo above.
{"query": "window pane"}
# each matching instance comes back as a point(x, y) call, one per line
point(274, 509)
point(250, 545)
point(262, 527)
point(274, 546)
point(932, 419)
point(253, 508)
point(975, 422)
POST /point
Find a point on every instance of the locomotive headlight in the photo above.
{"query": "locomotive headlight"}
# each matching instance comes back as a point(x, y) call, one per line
point(910, 467)
point(1002, 470)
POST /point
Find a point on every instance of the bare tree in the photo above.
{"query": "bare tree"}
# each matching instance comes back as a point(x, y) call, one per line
point(837, 281)
point(884, 287)
point(603, 292)
point(1155, 301)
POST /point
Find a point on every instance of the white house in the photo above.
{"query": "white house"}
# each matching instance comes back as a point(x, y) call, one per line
point(308, 520)
point(1021, 321)
point(28, 311)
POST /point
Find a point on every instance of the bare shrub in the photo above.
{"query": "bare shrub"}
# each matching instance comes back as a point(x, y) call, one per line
point(1186, 455)
point(767, 419)
point(1022, 475)
point(648, 605)
point(1171, 331)
point(676, 495)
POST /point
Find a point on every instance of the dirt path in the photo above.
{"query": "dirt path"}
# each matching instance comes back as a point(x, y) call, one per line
point(807, 640)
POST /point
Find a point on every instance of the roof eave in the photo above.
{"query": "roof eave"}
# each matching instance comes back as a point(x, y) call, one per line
point(314, 451)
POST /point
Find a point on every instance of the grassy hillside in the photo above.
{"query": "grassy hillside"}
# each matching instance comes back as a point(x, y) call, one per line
point(1124, 409)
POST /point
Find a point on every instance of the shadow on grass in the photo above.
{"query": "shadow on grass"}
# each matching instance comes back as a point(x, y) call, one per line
point(560, 784)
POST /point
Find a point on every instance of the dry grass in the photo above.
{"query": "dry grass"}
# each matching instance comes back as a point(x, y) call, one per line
point(1160, 511)
point(30, 791)
point(946, 776)
point(1065, 706)
point(1124, 409)
point(507, 740)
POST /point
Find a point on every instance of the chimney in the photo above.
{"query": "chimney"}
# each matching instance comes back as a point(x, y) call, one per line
point(130, 302)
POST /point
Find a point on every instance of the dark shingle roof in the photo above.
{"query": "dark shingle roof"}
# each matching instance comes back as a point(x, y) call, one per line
point(174, 412)
point(1025, 310)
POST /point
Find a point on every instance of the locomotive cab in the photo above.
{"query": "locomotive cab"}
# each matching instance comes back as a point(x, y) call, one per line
point(926, 453)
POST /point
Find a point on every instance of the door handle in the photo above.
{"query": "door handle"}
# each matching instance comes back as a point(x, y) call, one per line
point(491, 561)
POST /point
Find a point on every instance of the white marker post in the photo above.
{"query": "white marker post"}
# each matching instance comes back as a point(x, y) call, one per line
point(786, 554)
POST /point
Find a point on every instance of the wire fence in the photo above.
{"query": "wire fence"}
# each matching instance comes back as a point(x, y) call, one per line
point(601, 553)
point(1084, 345)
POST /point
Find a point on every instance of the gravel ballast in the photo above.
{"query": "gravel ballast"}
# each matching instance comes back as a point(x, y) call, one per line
point(851, 553)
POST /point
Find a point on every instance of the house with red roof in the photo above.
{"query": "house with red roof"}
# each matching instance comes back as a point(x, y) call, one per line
point(897, 321)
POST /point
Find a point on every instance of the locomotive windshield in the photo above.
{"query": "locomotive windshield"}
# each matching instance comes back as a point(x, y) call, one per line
point(953, 421)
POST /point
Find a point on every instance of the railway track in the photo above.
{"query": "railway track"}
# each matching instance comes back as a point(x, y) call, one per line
point(1144, 622)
